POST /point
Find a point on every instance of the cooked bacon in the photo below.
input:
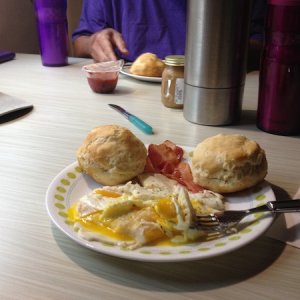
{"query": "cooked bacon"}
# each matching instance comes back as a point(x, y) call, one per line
point(166, 159)
point(185, 177)
point(149, 168)
point(178, 150)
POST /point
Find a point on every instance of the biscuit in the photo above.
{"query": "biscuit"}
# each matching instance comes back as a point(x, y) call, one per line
point(112, 155)
point(228, 163)
point(147, 64)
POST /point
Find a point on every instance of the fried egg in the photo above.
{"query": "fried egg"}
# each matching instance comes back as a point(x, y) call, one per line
point(133, 215)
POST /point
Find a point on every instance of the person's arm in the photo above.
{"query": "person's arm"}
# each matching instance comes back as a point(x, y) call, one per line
point(100, 45)
point(81, 46)
point(94, 37)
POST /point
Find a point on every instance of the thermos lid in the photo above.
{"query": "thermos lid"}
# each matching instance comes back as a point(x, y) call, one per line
point(174, 60)
point(285, 2)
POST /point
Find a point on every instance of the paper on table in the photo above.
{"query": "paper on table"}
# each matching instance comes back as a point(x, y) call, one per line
point(9, 104)
point(286, 227)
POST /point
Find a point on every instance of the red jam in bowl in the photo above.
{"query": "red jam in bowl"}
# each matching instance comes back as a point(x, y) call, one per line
point(103, 82)
point(103, 77)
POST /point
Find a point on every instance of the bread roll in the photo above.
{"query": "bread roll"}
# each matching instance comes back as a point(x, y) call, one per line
point(112, 155)
point(147, 64)
point(228, 163)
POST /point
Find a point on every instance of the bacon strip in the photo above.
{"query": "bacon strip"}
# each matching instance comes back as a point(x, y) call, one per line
point(166, 159)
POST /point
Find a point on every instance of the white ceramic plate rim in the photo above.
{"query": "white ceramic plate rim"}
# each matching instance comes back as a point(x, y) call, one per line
point(70, 184)
point(125, 71)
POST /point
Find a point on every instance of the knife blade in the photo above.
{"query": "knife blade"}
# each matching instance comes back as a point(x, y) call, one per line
point(140, 124)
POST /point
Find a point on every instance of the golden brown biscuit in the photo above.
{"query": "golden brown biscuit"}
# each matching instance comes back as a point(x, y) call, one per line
point(228, 163)
point(111, 155)
point(147, 64)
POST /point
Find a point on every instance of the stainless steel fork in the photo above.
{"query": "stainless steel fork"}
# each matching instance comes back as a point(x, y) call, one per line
point(231, 218)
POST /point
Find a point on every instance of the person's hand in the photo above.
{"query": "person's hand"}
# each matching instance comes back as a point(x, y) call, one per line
point(103, 43)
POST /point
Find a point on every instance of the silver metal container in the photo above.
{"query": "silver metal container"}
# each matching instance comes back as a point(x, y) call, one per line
point(215, 60)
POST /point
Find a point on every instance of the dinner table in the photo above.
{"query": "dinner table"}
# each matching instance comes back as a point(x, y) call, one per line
point(40, 260)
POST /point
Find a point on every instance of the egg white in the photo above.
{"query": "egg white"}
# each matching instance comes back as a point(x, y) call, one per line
point(132, 215)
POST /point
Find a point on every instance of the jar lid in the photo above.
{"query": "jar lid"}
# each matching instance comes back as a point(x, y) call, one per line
point(285, 2)
point(174, 60)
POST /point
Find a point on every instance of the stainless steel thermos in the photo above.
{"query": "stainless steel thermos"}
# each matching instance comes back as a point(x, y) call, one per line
point(215, 60)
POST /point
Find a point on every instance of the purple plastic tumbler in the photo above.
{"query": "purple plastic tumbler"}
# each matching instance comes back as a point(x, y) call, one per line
point(52, 26)
point(279, 82)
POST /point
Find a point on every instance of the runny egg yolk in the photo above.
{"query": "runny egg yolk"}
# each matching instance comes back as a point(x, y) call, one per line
point(72, 213)
point(166, 209)
point(106, 193)
point(119, 221)
point(153, 234)
point(91, 223)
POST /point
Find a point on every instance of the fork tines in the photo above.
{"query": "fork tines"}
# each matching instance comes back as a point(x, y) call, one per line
point(208, 223)
point(208, 220)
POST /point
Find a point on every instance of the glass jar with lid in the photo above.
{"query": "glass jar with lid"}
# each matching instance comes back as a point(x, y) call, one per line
point(173, 81)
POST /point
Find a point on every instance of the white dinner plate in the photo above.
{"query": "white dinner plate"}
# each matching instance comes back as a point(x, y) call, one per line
point(126, 71)
point(71, 184)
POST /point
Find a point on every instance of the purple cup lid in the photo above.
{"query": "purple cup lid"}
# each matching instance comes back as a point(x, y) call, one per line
point(285, 2)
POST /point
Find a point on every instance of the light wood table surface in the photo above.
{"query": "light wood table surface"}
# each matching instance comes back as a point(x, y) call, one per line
point(37, 261)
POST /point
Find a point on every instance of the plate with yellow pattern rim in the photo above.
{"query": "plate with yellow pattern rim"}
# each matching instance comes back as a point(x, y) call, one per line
point(71, 184)
point(126, 71)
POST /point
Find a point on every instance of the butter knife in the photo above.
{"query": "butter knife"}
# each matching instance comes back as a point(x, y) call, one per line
point(140, 124)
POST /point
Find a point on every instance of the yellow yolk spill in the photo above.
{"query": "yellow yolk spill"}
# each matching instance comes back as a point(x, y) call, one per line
point(153, 234)
point(72, 213)
point(166, 209)
point(109, 194)
point(165, 242)
point(90, 223)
